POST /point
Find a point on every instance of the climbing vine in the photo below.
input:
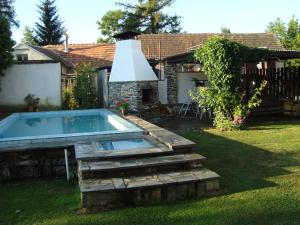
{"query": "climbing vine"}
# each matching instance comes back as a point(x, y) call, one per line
point(222, 61)
point(84, 90)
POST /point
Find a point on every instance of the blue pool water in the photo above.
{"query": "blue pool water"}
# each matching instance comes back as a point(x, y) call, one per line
point(137, 143)
point(20, 126)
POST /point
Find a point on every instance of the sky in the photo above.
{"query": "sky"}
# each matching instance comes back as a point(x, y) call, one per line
point(198, 16)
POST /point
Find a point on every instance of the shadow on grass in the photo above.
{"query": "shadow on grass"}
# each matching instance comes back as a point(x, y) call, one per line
point(241, 166)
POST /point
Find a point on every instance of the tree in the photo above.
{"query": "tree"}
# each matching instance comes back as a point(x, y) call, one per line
point(288, 34)
point(28, 36)
point(146, 17)
point(222, 61)
point(6, 45)
point(85, 90)
point(7, 11)
point(111, 23)
point(50, 29)
point(225, 30)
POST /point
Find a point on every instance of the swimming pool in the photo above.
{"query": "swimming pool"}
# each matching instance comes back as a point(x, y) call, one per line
point(58, 124)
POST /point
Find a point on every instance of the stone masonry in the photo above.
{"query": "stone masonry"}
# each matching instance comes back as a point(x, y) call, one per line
point(133, 92)
point(35, 163)
point(171, 75)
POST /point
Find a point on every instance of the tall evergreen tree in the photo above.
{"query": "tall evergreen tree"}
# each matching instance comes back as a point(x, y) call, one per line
point(6, 45)
point(50, 29)
point(7, 11)
point(145, 16)
point(7, 20)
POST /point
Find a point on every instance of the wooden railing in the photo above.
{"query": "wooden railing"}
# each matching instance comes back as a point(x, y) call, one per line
point(283, 83)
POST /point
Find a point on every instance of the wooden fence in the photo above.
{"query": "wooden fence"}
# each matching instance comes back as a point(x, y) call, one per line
point(283, 83)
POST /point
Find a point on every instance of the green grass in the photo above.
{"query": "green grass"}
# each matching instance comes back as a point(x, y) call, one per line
point(260, 170)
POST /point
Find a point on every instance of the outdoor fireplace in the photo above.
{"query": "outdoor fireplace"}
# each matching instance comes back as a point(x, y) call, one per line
point(146, 96)
point(132, 77)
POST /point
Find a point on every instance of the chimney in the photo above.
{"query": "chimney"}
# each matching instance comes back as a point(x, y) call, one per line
point(66, 41)
point(130, 64)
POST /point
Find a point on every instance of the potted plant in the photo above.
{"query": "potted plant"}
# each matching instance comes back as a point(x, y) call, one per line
point(239, 115)
point(122, 106)
point(32, 102)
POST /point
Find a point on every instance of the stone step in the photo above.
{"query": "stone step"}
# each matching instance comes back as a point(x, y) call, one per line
point(86, 154)
point(103, 194)
point(138, 166)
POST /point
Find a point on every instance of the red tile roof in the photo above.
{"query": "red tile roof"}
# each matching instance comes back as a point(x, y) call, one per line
point(158, 46)
point(97, 54)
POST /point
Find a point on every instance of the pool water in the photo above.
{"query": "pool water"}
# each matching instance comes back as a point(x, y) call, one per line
point(137, 143)
point(21, 126)
point(57, 125)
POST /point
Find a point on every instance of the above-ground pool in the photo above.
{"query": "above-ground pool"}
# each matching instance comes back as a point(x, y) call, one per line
point(63, 124)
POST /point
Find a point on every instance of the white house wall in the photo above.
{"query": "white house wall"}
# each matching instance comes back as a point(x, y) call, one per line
point(185, 83)
point(42, 80)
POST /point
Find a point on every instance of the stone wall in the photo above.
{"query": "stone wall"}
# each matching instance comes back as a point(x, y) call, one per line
point(171, 76)
point(35, 163)
point(133, 92)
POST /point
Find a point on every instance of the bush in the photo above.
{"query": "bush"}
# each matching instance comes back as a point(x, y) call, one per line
point(222, 61)
point(69, 101)
point(85, 89)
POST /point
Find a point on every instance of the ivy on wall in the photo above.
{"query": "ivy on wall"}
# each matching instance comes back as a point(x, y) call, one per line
point(222, 61)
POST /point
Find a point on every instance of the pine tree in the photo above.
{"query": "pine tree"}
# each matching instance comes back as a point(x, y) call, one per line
point(50, 29)
point(7, 11)
point(6, 45)
point(146, 16)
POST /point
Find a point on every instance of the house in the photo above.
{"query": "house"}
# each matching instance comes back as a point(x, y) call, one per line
point(36, 71)
point(170, 56)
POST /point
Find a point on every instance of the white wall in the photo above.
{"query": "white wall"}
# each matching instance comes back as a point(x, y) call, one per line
point(162, 91)
point(185, 83)
point(42, 80)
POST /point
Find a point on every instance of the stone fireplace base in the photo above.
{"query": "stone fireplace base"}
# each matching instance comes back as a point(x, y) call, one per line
point(133, 91)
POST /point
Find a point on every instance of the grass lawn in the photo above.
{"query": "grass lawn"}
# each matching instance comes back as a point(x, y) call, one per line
point(260, 170)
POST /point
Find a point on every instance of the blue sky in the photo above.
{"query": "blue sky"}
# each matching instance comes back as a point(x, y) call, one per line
point(198, 16)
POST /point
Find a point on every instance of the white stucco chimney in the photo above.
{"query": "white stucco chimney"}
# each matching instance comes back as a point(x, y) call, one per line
point(66, 42)
point(130, 64)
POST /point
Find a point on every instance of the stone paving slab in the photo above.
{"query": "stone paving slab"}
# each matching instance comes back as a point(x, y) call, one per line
point(205, 174)
point(93, 185)
point(143, 182)
point(86, 166)
point(150, 181)
point(118, 183)
point(172, 140)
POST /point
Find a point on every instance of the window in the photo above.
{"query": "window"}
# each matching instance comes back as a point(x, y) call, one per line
point(22, 57)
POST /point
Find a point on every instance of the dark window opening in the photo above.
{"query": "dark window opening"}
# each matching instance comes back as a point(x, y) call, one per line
point(22, 57)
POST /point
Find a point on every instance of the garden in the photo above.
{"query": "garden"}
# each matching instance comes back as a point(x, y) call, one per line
point(259, 168)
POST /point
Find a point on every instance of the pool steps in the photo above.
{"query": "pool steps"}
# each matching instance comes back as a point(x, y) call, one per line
point(174, 173)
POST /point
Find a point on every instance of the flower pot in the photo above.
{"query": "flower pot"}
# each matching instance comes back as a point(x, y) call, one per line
point(31, 108)
point(288, 108)
point(296, 111)
point(238, 121)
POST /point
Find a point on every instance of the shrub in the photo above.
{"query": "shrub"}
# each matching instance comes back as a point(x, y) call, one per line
point(222, 61)
point(85, 87)
point(69, 101)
